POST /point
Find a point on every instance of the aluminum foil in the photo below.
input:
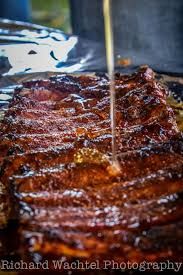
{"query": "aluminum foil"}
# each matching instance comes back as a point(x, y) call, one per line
point(27, 48)
point(30, 51)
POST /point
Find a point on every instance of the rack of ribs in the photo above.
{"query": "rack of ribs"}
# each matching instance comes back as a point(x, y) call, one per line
point(55, 152)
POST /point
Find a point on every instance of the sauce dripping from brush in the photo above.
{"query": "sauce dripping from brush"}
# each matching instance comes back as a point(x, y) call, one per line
point(109, 44)
point(88, 155)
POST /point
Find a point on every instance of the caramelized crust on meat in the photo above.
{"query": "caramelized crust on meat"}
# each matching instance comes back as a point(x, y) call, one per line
point(77, 209)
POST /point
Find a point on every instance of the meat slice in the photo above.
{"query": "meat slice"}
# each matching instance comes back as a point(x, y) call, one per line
point(41, 134)
point(62, 231)
point(92, 185)
point(55, 153)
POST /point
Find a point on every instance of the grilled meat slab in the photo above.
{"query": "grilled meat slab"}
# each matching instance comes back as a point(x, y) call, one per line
point(72, 205)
